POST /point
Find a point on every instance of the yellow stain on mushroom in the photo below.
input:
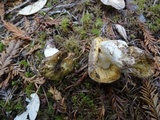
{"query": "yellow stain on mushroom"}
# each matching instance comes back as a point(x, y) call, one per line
point(57, 66)
point(108, 57)
point(97, 72)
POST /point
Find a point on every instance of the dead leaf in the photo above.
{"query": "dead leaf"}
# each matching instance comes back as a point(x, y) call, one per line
point(31, 9)
point(16, 31)
point(149, 41)
point(121, 30)
point(56, 94)
point(6, 59)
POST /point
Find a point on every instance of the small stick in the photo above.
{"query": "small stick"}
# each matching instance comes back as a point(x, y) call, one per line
point(18, 6)
point(79, 81)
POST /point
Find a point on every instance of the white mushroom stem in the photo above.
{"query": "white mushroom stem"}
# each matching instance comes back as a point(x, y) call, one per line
point(116, 51)
point(103, 61)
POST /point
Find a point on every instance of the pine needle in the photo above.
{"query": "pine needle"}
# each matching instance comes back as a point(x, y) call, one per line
point(118, 106)
point(150, 97)
point(149, 41)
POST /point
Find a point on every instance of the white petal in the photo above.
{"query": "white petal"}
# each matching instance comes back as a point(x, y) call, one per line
point(31, 9)
point(118, 4)
point(121, 30)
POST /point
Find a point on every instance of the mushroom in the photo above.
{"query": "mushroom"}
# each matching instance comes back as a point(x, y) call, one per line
point(100, 68)
point(108, 57)
point(57, 64)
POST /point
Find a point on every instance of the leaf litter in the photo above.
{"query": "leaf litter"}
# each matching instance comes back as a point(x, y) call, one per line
point(72, 30)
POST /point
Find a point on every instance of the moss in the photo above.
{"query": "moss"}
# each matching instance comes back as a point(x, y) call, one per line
point(84, 103)
point(39, 55)
point(153, 16)
point(72, 45)
point(29, 74)
point(1, 47)
point(83, 100)
point(15, 82)
point(28, 89)
point(98, 23)
point(61, 117)
point(96, 32)
point(42, 36)
point(19, 106)
point(116, 18)
point(24, 63)
point(82, 34)
point(64, 25)
point(86, 20)
point(7, 106)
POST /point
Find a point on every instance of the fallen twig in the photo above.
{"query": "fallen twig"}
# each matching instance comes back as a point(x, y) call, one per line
point(79, 81)
point(18, 6)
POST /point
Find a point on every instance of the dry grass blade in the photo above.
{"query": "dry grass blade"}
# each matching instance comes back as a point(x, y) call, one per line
point(1, 10)
point(16, 31)
point(149, 41)
point(150, 96)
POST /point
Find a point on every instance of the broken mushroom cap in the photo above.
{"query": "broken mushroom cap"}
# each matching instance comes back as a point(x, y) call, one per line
point(108, 57)
point(57, 66)
point(144, 63)
point(100, 69)
point(117, 52)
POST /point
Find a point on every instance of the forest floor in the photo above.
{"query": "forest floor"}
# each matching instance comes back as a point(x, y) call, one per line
point(72, 25)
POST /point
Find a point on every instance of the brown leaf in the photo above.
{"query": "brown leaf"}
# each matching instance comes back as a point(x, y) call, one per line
point(6, 57)
point(16, 31)
point(150, 96)
point(149, 40)
point(118, 106)
point(56, 94)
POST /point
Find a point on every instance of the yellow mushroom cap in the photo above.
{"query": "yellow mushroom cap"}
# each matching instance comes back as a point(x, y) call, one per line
point(57, 66)
point(96, 72)
point(108, 57)
point(144, 63)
